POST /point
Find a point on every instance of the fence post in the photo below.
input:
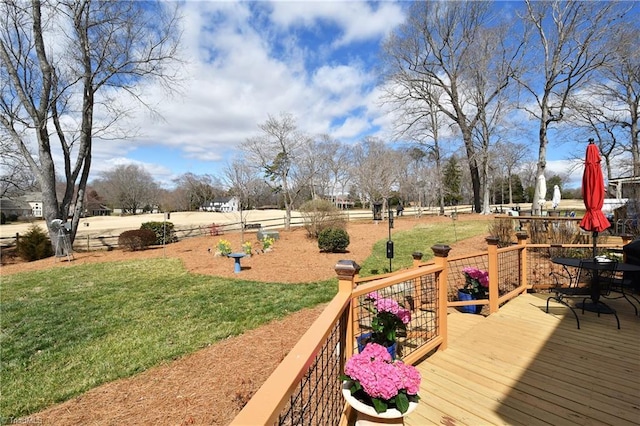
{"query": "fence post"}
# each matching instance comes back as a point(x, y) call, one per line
point(440, 252)
point(522, 241)
point(347, 271)
point(494, 291)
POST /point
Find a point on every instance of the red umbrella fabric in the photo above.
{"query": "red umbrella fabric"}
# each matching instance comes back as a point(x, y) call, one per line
point(593, 193)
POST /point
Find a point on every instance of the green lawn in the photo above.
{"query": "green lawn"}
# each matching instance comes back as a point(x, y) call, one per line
point(421, 238)
point(67, 330)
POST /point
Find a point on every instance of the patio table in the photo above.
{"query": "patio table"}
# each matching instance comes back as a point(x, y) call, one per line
point(596, 266)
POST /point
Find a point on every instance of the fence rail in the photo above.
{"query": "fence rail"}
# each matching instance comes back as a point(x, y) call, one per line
point(85, 241)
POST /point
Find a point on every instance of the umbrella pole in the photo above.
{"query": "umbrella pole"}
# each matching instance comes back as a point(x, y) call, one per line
point(594, 238)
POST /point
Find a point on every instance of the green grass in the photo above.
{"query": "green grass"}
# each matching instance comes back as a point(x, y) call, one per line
point(66, 330)
point(421, 238)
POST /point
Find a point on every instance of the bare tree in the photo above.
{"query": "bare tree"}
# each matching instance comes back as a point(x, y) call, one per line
point(566, 47)
point(376, 170)
point(420, 121)
point(620, 87)
point(129, 187)
point(195, 189)
point(242, 181)
point(60, 63)
point(339, 169)
point(278, 151)
point(509, 155)
point(314, 165)
point(15, 176)
point(437, 48)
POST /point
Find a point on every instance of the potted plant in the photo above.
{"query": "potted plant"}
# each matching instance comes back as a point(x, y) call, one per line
point(388, 318)
point(476, 283)
point(378, 386)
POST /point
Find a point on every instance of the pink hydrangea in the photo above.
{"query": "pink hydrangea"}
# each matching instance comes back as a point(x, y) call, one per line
point(383, 382)
point(477, 274)
point(379, 376)
point(404, 315)
point(410, 377)
point(387, 305)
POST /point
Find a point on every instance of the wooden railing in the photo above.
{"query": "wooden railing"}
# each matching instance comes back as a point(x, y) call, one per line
point(304, 389)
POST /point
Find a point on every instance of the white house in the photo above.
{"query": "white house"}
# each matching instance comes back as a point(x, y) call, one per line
point(222, 204)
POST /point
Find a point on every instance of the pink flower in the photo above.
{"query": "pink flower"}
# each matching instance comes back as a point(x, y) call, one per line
point(410, 377)
point(404, 315)
point(387, 305)
point(373, 295)
point(482, 277)
point(379, 376)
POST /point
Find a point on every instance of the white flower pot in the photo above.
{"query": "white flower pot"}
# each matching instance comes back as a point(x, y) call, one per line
point(363, 408)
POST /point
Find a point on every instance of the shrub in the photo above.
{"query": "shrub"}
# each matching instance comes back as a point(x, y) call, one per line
point(136, 239)
point(503, 230)
point(34, 245)
point(160, 230)
point(333, 240)
point(318, 215)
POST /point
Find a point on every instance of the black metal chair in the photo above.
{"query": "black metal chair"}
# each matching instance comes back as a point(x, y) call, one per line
point(592, 281)
point(577, 288)
point(602, 278)
point(623, 285)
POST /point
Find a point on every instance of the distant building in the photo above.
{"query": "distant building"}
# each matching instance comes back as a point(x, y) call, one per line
point(94, 208)
point(222, 204)
point(28, 205)
point(17, 208)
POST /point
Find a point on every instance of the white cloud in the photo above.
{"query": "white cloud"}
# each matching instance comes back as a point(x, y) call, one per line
point(358, 20)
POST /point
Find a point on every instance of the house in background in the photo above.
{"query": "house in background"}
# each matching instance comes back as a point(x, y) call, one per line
point(222, 204)
point(28, 205)
point(17, 208)
point(34, 199)
point(95, 208)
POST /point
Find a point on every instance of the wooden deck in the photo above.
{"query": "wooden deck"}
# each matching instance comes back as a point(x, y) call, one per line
point(523, 366)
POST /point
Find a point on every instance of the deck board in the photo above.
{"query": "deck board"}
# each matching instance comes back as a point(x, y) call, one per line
point(524, 366)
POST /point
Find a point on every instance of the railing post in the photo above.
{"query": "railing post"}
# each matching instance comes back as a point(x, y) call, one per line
point(347, 271)
point(494, 293)
point(417, 289)
point(522, 241)
point(440, 252)
point(417, 258)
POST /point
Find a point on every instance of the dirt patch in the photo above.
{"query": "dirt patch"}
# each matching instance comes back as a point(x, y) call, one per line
point(212, 385)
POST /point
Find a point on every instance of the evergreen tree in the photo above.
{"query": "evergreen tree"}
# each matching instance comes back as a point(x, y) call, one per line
point(452, 182)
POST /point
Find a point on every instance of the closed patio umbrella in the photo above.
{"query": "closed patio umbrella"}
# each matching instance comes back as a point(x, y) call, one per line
point(593, 194)
point(555, 201)
point(542, 193)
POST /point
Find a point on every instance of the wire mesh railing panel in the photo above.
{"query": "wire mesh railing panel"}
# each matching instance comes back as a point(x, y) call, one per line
point(542, 273)
point(508, 271)
point(419, 295)
point(456, 279)
point(317, 401)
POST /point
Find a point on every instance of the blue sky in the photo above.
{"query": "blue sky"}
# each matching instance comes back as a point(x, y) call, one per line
point(313, 59)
